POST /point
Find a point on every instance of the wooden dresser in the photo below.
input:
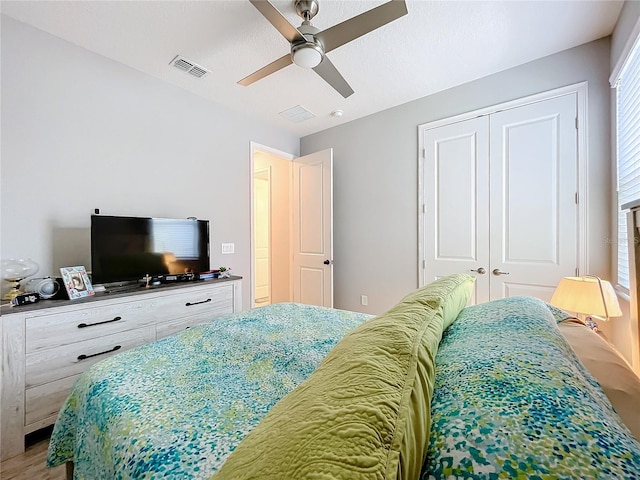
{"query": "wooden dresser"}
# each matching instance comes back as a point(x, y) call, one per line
point(47, 345)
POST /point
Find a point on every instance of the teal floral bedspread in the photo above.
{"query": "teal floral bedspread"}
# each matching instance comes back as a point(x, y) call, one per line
point(512, 401)
point(175, 409)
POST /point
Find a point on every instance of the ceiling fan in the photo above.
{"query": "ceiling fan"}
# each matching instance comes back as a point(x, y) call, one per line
point(309, 45)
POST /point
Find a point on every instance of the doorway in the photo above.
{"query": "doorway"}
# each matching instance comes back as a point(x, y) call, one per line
point(271, 226)
point(291, 227)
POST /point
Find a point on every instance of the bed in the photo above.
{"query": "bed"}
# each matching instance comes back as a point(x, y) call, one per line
point(428, 390)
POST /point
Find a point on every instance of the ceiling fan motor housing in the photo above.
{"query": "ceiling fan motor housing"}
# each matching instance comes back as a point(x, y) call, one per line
point(310, 52)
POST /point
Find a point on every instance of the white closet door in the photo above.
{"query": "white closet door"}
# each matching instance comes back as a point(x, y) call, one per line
point(500, 195)
point(534, 215)
point(456, 202)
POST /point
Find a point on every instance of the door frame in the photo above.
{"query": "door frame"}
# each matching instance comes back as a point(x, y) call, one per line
point(580, 89)
point(254, 146)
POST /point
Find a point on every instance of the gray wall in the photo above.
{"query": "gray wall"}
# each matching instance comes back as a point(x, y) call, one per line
point(627, 20)
point(376, 173)
point(80, 131)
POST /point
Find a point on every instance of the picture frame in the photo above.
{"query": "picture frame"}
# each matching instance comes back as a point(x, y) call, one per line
point(76, 282)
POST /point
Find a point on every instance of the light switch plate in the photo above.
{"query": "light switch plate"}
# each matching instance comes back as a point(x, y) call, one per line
point(228, 248)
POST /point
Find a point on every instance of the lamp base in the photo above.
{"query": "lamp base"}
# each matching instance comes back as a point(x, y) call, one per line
point(15, 289)
point(11, 294)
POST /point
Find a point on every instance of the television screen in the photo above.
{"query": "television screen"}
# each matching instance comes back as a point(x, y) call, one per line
point(128, 248)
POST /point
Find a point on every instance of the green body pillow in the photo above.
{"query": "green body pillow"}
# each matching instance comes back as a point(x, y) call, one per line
point(364, 413)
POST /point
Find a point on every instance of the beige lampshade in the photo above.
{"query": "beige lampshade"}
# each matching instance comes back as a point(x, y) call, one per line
point(587, 295)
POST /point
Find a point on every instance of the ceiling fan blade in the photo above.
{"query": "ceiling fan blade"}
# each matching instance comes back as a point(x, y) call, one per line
point(332, 76)
point(278, 20)
point(338, 35)
point(267, 70)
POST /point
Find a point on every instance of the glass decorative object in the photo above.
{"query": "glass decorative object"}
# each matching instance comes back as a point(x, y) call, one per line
point(14, 271)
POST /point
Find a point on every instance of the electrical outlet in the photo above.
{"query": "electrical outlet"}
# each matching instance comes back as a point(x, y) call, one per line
point(364, 300)
point(228, 248)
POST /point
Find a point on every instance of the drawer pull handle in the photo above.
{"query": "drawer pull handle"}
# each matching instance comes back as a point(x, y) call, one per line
point(84, 357)
point(85, 325)
point(189, 304)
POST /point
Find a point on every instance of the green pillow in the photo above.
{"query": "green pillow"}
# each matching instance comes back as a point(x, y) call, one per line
point(365, 412)
point(452, 294)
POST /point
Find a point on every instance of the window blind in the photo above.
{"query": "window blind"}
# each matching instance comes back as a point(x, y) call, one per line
point(628, 151)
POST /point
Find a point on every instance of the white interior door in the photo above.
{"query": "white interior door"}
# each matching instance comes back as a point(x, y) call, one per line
point(312, 224)
point(262, 236)
point(534, 213)
point(456, 199)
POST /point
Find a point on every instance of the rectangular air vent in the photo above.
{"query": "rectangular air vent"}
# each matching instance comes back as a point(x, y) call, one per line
point(297, 114)
point(197, 71)
point(190, 67)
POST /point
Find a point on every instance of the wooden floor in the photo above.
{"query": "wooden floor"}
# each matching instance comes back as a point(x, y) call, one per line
point(31, 465)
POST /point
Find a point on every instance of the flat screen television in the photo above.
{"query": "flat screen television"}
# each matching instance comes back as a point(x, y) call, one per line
point(124, 249)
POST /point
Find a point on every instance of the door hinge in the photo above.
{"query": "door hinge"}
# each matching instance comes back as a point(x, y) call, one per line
point(424, 208)
point(424, 264)
point(577, 272)
point(576, 123)
point(577, 198)
point(424, 153)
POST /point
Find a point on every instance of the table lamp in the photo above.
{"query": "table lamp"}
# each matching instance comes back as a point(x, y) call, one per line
point(587, 295)
point(14, 271)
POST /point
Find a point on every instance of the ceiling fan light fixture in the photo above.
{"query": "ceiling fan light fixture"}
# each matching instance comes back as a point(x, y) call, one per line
point(307, 55)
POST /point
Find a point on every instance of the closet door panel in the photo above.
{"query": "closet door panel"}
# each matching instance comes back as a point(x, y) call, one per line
point(456, 227)
point(534, 214)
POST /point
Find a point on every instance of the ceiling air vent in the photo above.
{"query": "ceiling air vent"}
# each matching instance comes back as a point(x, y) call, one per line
point(297, 114)
point(189, 67)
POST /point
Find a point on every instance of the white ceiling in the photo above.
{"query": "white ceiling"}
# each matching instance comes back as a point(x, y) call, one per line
point(438, 45)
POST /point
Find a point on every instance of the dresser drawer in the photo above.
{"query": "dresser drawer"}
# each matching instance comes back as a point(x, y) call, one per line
point(42, 403)
point(213, 300)
point(199, 307)
point(56, 363)
point(176, 325)
point(59, 329)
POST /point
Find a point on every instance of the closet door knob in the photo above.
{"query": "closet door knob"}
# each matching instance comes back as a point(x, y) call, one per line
point(497, 272)
point(480, 271)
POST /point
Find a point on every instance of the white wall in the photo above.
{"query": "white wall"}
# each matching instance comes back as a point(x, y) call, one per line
point(80, 131)
point(376, 173)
